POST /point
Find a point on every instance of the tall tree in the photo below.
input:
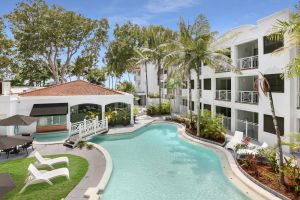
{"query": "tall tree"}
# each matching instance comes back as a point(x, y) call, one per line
point(154, 47)
point(96, 76)
point(193, 48)
point(52, 34)
point(291, 29)
point(120, 51)
point(262, 84)
point(5, 51)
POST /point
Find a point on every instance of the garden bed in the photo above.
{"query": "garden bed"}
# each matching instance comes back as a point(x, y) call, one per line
point(264, 174)
point(193, 133)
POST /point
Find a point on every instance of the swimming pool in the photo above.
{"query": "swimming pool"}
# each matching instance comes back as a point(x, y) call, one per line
point(51, 136)
point(154, 163)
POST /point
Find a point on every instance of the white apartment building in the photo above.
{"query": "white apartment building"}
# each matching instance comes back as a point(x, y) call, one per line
point(233, 95)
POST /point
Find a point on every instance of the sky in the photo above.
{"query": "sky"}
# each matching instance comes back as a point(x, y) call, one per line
point(223, 15)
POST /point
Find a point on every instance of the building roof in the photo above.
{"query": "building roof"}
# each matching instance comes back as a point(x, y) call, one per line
point(73, 88)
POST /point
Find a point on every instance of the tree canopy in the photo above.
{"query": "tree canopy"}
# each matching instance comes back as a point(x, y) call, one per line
point(55, 36)
point(6, 46)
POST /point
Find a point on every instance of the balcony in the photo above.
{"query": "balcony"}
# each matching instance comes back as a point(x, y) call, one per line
point(247, 55)
point(247, 122)
point(223, 95)
point(248, 63)
point(248, 97)
point(298, 100)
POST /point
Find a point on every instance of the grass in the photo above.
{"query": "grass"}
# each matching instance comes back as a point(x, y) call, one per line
point(61, 186)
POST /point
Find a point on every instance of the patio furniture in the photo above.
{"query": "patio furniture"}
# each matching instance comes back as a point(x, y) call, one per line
point(26, 146)
point(37, 176)
point(49, 162)
point(18, 120)
point(236, 139)
point(253, 151)
point(6, 184)
point(10, 144)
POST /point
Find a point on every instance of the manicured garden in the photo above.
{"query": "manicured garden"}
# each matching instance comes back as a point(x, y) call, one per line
point(211, 128)
point(61, 186)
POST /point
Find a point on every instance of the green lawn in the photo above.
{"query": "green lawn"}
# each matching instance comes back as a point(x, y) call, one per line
point(61, 186)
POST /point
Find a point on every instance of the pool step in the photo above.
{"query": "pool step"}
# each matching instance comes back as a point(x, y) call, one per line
point(72, 141)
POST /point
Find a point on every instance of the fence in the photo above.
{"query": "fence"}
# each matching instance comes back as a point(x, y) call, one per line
point(226, 123)
point(248, 62)
point(224, 95)
point(249, 129)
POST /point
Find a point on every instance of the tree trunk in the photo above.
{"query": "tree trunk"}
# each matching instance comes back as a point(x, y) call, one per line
point(198, 102)
point(190, 98)
point(281, 174)
point(159, 85)
point(147, 93)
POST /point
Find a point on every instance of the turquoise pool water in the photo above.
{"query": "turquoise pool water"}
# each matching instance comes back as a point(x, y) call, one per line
point(154, 163)
point(51, 136)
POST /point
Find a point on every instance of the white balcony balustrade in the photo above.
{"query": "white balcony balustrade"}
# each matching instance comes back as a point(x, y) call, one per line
point(226, 121)
point(298, 100)
point(224, 95)
point(250, 129)
point(248, 62)
point(248, 97)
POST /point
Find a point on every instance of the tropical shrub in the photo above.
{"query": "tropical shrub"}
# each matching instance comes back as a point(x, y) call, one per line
point(154, 109)
point(211, 127)
point(153, 95)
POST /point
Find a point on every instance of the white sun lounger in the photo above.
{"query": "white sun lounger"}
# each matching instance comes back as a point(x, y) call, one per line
point(49, 162)
point(37, 176)
point(236, 139)
point(251, 151)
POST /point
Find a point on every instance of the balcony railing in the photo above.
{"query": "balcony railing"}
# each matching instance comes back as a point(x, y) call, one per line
point(250, 129)
point(226, 121)
point(298, 100)
point(224, 95)
point(248, 97)
point(248, 62)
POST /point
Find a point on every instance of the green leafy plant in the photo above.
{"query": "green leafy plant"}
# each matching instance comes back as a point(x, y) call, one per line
point(153, 95)
point(89, 146)
point(91, 115)
point(292, 170)
point(81, 144)
point(250, 163)
point(270, 154)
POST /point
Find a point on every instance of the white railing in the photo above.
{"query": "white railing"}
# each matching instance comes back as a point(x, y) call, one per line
point(223, 95)
point(226, 121)
point(248, 62)
point(249, 129)
point(88, 127)
point(298, 100)
point(248, 97)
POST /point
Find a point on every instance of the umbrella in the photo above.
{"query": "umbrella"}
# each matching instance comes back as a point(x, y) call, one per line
point(7, 142)
point(6, 184)
point(18, 120)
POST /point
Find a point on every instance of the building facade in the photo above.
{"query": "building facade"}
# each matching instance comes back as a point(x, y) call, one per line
point(232, 94)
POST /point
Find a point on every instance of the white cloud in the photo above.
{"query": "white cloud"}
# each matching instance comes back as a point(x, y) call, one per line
point(159, 6)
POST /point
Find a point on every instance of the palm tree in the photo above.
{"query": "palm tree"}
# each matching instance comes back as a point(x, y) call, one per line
point(142, 58)
point(191, 49)
point(291, 29)
point(157, 37)
point(262, 83)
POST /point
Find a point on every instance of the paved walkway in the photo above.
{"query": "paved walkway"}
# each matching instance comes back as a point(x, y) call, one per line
point(95, 171)
point(140, 122)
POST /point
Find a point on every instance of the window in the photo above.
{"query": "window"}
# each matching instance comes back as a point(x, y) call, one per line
point(192, 105)
point(199, 84)
point(223, 111)
point(207, 107)
point(165, 71)
point(52, 120)
point(207, 84)
point(269, 125)
point(276, 82)
point(271, 45)
point(184, 102)
point(192, 84)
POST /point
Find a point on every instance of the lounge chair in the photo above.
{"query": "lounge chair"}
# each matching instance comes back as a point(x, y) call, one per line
point(236, 139)
point(254, 151)
point(49, 162)
point(37, 176)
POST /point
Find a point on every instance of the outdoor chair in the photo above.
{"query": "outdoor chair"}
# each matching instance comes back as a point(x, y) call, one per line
point(236, 139)
point(26, 146)
point(254, 151)
point(37, 176)
point(41, 161)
